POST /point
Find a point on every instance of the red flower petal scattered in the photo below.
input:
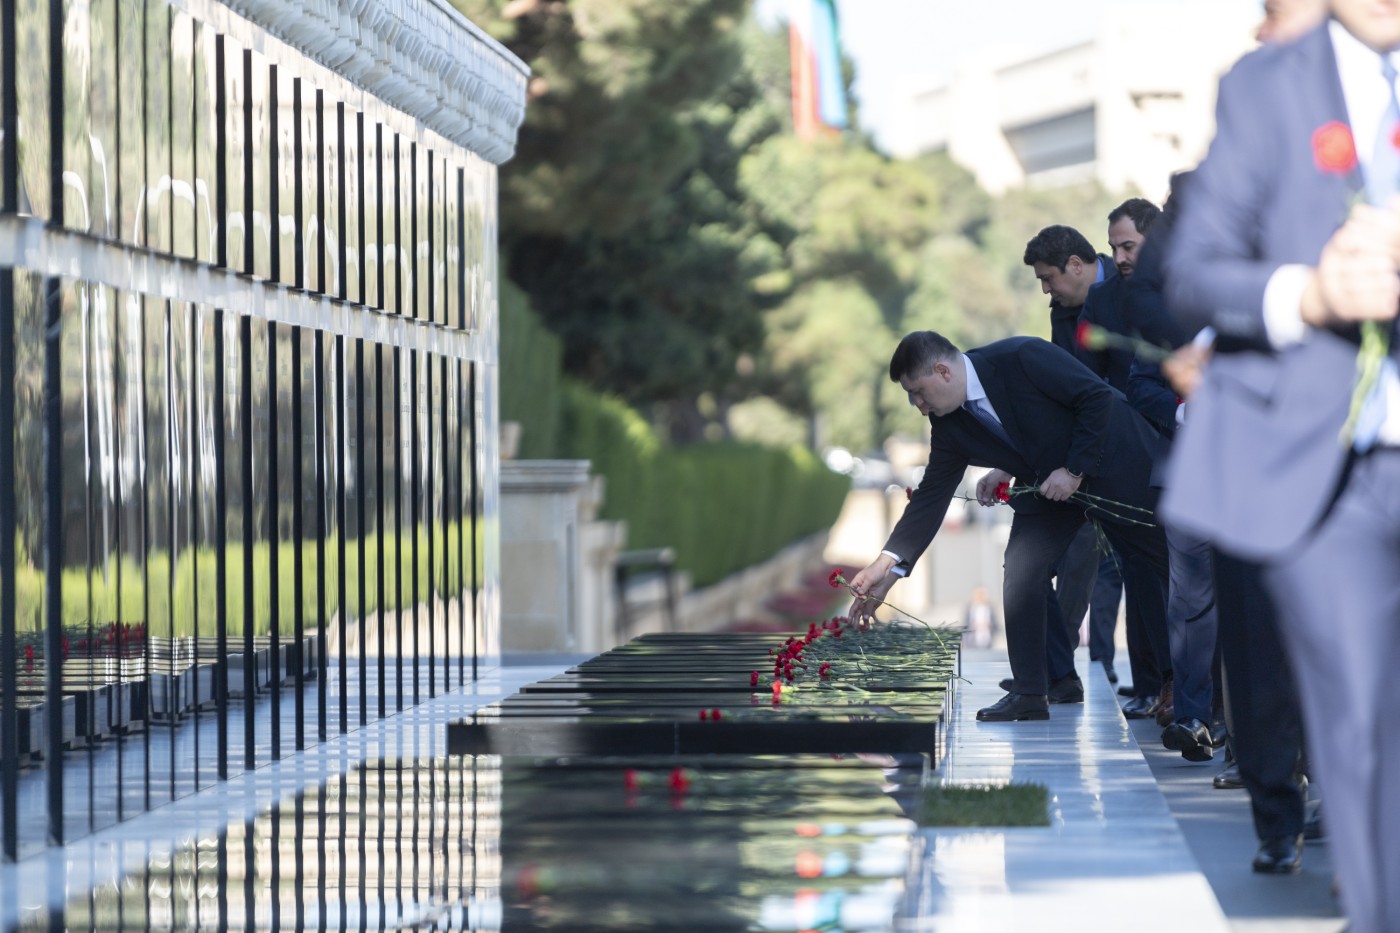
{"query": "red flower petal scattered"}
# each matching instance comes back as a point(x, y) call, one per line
point(1334, 150)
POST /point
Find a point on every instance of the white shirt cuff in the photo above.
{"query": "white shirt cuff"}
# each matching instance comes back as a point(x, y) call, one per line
point(1283, 301)
point(893, 555)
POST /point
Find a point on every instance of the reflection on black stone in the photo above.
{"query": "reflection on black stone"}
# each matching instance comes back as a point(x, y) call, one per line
point(490, 844)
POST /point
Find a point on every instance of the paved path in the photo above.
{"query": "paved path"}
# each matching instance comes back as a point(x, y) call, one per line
point(1140, 840)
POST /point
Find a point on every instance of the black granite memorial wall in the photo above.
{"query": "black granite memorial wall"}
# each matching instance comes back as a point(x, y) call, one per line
point(246, 392)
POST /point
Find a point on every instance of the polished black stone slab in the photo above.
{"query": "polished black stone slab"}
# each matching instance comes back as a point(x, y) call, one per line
point(886, 695)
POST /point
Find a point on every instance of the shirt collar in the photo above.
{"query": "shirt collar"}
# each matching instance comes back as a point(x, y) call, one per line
point(1363, 87)
point(1098, 264)
point(975, 392)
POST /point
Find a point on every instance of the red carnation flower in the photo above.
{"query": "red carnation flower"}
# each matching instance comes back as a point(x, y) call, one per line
point(908, 493)
point(629, 780)
point(835, 579)
point(679, 782)
point(716, 715)
point(1003, 492)
point(753, 678)
point(704, 714)
point(1089, 336)
point(1334, 150)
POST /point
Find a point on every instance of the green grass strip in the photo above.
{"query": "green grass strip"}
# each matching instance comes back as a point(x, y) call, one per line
point(983, 805)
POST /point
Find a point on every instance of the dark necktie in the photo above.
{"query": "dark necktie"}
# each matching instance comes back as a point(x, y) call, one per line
point(989, 421)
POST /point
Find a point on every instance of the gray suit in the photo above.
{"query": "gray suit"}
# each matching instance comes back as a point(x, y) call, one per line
point(1258, 468)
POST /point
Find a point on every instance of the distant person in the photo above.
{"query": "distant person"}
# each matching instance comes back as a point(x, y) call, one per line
point(1287, 244)
point(1040, 418)
point(979, 619)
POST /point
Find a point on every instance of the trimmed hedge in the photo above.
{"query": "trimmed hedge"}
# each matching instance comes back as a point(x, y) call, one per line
point(722, 506)
point(196, 575)
point(531, 360)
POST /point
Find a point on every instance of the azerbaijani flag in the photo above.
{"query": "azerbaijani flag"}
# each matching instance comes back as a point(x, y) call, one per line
point(818, 92)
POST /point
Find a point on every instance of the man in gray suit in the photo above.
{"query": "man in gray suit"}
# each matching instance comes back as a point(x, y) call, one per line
point(1270, 252)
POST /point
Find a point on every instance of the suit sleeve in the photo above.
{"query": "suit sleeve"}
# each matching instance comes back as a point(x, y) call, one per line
point(1214, 277)
point(1097, 360)
point(1072, 385)
point(1150, 394)
point(923, 516)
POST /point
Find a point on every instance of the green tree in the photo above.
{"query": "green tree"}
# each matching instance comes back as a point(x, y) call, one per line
point(622, 215)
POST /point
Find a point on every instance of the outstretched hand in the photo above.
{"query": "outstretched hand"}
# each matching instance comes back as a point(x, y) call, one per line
point(870, 587)
point(987, 486)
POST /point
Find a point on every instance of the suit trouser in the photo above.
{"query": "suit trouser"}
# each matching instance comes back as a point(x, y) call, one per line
point(1266, 727)
point(1033, 550)
point(1068, 600)
point(1149, 650)
point(1191, 625)
point(1338, 599)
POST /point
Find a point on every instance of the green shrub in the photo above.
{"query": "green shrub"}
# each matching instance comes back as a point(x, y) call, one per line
point(92, 599)
point(531, 359)
point(722, 506)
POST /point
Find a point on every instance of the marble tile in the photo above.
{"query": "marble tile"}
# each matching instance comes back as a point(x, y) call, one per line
point(1113, 856)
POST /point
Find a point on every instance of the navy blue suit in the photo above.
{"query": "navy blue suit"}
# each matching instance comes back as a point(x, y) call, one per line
point(1259, 468)
point(1057, 414)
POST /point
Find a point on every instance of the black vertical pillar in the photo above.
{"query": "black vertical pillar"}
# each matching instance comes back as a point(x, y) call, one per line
point(53, 453)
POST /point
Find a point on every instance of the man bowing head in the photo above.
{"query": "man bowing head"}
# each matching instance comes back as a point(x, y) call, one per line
point(1068, 446)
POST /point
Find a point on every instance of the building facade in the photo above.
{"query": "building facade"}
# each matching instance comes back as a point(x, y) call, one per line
point(248, 465)
point(1128, 105)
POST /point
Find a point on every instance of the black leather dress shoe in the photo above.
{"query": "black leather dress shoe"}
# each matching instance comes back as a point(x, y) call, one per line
point(1068, 689)
point(1281, 855)
point(1015, 707)
point(1109, 672)
point(1189, 736)
point(1219, 733)
point(1140, 707)
point(1229, 779)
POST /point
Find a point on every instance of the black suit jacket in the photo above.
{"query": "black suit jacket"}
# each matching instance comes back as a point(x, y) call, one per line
point(1058, 414)
point(1105, 308)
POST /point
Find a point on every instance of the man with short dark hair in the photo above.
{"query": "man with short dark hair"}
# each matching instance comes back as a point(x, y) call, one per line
point(1067, 267)
point(1030, 410)
point(1149, 652)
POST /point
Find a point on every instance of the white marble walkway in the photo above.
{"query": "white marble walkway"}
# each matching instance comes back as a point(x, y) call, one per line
point(1113, 857)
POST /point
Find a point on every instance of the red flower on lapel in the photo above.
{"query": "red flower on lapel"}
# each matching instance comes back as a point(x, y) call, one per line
point(1334, 150)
